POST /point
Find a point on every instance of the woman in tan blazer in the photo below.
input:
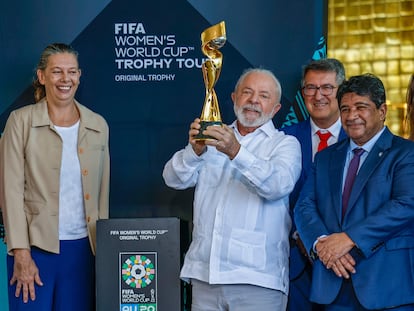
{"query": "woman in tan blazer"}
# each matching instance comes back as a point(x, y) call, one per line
point(54, 187)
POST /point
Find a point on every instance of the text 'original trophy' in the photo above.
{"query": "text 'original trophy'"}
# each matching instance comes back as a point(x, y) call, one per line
point(212, 39)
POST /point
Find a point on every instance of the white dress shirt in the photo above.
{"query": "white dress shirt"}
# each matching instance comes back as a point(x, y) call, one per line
point(334, 129)
point(241, 208)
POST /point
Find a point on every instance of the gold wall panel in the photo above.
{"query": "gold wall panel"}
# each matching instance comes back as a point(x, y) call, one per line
point(376, 36)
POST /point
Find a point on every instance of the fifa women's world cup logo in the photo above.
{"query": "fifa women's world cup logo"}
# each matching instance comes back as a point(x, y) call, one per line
point(212, 39)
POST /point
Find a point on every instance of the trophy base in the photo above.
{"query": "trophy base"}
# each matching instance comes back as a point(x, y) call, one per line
point(204, 125)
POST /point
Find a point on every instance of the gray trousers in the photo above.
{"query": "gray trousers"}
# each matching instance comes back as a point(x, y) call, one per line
point(235, 297)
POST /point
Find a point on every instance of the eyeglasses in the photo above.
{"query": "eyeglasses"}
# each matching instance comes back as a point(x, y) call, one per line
point(326, 89)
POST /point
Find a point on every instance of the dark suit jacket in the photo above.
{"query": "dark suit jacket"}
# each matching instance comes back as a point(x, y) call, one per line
point(302, 131)
point(379, 219)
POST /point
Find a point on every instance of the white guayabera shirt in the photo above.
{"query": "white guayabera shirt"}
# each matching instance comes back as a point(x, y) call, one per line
point(241, 208)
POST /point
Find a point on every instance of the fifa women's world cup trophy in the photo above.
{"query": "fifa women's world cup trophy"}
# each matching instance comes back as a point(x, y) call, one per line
point(212, 39)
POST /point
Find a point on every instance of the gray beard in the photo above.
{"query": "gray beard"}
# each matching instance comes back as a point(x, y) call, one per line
point(259, 121)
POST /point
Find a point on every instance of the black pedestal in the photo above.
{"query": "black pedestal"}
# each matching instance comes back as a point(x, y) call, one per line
point(138, 264)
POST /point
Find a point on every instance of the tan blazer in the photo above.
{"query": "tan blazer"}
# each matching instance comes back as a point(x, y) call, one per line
point(30, 160)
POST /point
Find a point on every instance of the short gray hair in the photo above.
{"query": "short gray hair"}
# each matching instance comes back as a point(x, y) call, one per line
point(266, 72)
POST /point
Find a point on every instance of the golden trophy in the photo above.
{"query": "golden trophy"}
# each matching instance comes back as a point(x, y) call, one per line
point(212, 39)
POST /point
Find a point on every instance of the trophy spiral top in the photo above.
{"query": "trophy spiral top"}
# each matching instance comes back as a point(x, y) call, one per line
point(212, 39)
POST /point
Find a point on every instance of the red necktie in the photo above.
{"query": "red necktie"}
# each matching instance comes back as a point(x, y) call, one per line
point(323, 139)
point(350, 177)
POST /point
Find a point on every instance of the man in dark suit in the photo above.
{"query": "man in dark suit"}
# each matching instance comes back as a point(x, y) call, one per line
point(361, 234)
point(320, 81)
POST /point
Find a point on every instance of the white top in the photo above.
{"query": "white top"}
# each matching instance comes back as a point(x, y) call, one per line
point(241, 208)
point(72, 220)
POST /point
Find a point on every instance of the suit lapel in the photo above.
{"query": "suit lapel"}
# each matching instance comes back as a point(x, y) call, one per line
point(374, 158)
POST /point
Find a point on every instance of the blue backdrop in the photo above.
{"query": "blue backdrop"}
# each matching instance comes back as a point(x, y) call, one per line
point(140, 65)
